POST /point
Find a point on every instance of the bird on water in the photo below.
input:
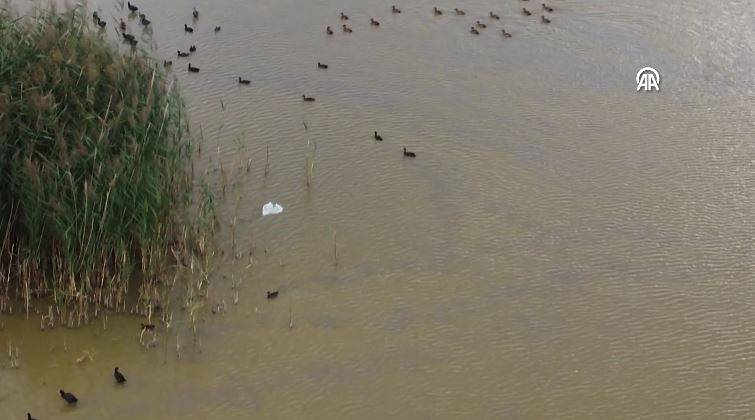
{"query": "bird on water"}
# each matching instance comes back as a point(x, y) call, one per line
point(70, 398)
point(118, 376)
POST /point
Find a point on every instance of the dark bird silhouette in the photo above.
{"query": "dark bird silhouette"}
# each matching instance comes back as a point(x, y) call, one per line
point(188, 28)
point(195, 13)
point(272, 295)
point(494, 16)
point(183, 54)
point(328, 31)
point(306, 98)
point(243, 81)
point(322, 66)
point(474, 31)
point(347, 29)
point(409, 154)
point(29, 417)
point(505, 34)
point(128, 37)
point(459, 12)
point(395, 9)
point(101, 23)
point(480, 24)
point(344, 17)
point(70, 398)
point(144, 20)
point(378, 137)
point(149, 327)
point(95, 16)
point(547, 8)
point(132, 7)
point(217, 29)
point(193, 48)
point(133, 42)
point(526, 12)
point(193, 69)
point(118, 376)
point(545, 19)
point(436, 11)
point(373, 22)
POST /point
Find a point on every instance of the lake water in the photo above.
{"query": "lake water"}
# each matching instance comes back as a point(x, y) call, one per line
point(563, 246)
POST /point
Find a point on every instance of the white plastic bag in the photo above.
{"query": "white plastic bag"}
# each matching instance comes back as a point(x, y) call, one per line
point(272, 208)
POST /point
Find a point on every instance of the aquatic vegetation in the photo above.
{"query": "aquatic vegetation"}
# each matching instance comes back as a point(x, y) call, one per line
point(94, 167)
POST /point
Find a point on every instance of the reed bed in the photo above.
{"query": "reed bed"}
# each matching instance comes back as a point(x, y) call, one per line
point(96, 190)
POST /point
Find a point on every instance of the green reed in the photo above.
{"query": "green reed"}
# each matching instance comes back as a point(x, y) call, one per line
point(95, 190)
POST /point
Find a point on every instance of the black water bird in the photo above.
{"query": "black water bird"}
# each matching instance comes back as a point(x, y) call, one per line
point(183, 54)
point(29, 417)
point(474, 31)
point(149, 327)
point(322, 66)
point(70, 398)
point(144, 20)
point(347, 29)
point(545, 19)
point(373, 22)
point(95, 16)
point(101, 23)
point(306, 98)
point(494, 16)
point(133, 42)
point(272, 295)
point(118, 376)
point(378, 137)
point(188, 28)
point(344, 17)
point(436, 11)
point(132, 7)
point(195, 13)
point(193, 48)
point(505, 34)
point(128, 37)
point(217, 29)
point(459, 12)
point(193, 69)
point(243, 81)
point(409, 154)
point(395, 9)
point(526, 12)
point(547, 8)
point(328, 31)
point(480, 24)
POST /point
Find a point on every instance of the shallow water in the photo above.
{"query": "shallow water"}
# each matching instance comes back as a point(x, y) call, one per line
point(562, 247)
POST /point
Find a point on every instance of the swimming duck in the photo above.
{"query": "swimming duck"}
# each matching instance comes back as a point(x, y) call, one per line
point(436, 11)
point(328, 31)
point(474, 31)
point(128, 37)
point(70, 398)
point(306, 99)
point(167, 63)
point(409, 154)
point(149, 327)
point(243, 81)
point(378, 137)
point(545, 19)
point(347, 29)
point(144, 20)
point(195, 13)
point(217, 29)
point(480, 24)
point(344, 17)
point(505, 34)
point(118, 376)
point(123, 25)
point(183, 54)
point(272, 295)
point(322, 66)
point(131, 7)
point(494, 16)
point(193, 69)
point(101, 23)
point(95, 16)
point(193, 48)
point(459, 12)
point(526, 12)
point(547, 8)
point(373, 22)
point(395, 9)
point(188, 29)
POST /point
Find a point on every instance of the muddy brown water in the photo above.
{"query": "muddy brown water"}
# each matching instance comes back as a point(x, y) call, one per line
point(562, 247)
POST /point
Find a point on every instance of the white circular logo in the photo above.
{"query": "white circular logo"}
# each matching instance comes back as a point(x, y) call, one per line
point(648, 79)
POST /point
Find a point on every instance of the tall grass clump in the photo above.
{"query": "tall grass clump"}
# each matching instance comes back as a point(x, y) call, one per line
point(94, 187)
